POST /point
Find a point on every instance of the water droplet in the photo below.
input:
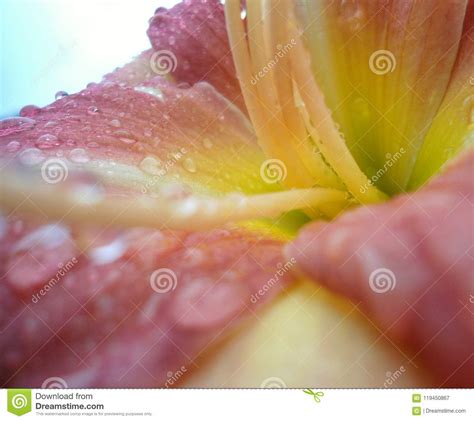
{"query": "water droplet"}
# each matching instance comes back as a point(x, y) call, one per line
point(15, 124)
point(30, 110)
point(115, 123)
point(79, 156)
point(47, 141)
point(92, 145)
point(60, 95)
point(47, 236)
point(127, 140)
point(13, 146)
point(92, 110)
point(108, 253)
point(157, 93)
point(70, 142)
point(207, 143)
point(51, 123)
point(151, 165)
point(32, 156)
point(189, 165)
point(125, 137)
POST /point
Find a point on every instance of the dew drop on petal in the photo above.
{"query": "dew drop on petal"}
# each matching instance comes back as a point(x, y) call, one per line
point(189, 165)
point(13, 146)
point(79, 156)
point(92, 145)
point(115, 123)
point(157, 93)
point(125, 137)
point(60, 95)
point(92, 110)
point(32, 156)
point(151, 165)
point(47, 236)
point(15, 124)
point(47, 141)
point(108, 253)
point(30, 110)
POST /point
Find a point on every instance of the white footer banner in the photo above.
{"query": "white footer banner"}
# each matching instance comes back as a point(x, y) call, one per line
point(237, 404)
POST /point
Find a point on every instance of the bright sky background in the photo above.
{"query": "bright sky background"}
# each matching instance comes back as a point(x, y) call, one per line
point(52, 45)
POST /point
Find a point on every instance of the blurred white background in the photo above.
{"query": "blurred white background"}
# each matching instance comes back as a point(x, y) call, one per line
point(52, 45)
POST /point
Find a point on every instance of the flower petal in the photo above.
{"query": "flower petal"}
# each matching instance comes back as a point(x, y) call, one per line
point(389, 64)
point(409, 264)
point(194, 33)
point(103, 318)
point(453, 127)
point(129, 309)
point(144, 127)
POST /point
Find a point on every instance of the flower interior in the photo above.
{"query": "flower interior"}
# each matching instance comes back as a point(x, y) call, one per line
point(340, 117)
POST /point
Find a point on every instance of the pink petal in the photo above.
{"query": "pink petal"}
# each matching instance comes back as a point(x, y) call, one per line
point(195, 33)
point(103, 321)
point(409, 262)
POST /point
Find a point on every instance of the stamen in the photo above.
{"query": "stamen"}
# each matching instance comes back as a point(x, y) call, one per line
point(20, 194)
point(265, 105)
point(258, 99)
